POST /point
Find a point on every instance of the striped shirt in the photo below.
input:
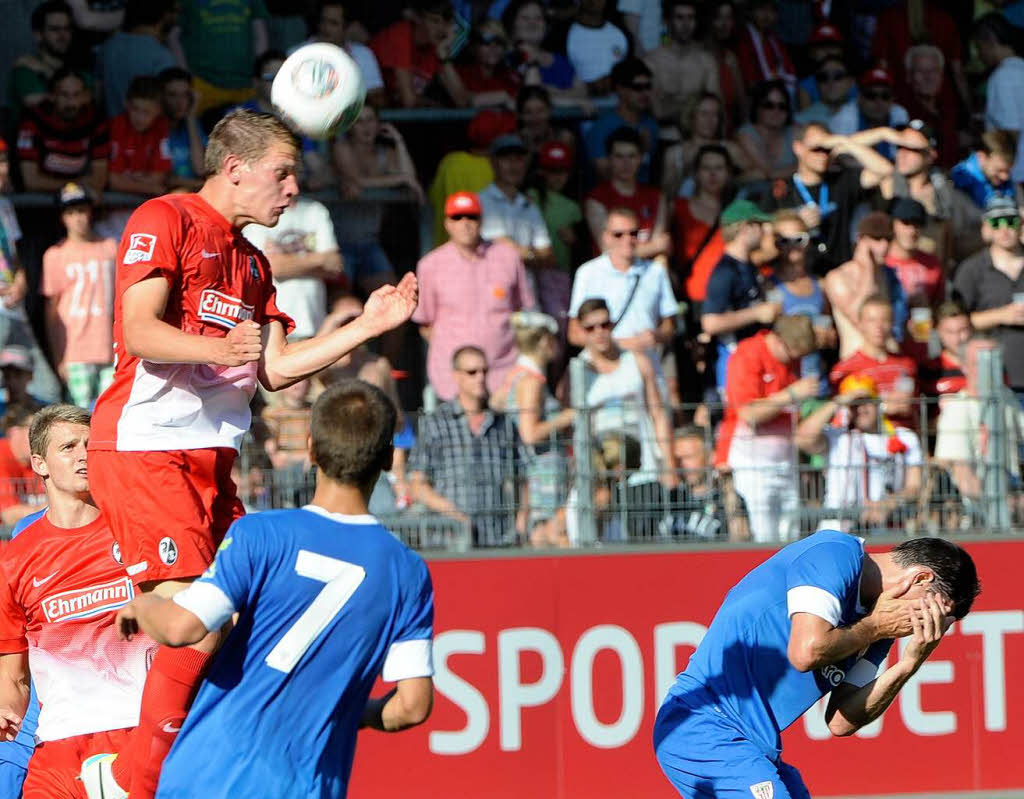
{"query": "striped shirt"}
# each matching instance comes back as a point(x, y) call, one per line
point(61, 148)
point(479, 473)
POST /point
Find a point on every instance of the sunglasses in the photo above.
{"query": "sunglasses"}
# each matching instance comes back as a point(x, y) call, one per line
point(605, 325)
point(460, 217)
point(618, 234)
point(821, 150)
point(792, 242)
point(770, 105)
point(829, 77)
point(483, 370)
point(877, 94)
point(1004, 222)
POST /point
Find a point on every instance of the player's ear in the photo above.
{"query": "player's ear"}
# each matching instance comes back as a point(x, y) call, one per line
point(309, 449)
point(39, 466)
point(923, 577)
point(233, 167)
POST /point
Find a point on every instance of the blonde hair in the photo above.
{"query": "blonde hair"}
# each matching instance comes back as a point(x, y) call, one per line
point(789, 215)
point(248, 135)
point(530, 328)
point(43, 422)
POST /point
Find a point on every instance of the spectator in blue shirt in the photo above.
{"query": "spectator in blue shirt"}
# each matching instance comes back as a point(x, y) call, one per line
point(632, 81)
point(985, 173)
point(187, 139)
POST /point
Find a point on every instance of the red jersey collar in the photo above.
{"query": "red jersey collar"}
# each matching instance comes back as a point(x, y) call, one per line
point(215, 216)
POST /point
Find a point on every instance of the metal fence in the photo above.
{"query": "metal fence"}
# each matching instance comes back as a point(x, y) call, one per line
point(952, 466)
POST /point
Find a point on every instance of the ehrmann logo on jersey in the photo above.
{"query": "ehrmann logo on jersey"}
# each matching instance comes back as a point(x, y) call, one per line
point(83, 603)
point(223, 309)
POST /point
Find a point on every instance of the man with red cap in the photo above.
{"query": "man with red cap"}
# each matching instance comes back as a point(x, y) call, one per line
point(873, 108)
point(469, 289)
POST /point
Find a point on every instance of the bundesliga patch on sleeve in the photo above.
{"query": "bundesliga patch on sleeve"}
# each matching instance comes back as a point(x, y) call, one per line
point(140, 248)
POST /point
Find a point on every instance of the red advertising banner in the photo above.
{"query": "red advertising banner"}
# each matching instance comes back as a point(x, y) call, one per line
point(550, 670)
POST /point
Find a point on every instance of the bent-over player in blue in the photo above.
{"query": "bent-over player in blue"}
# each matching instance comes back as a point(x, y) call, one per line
point(817, 617)
point(327, 601)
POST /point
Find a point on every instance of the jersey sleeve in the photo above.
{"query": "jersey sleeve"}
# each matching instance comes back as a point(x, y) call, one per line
point(409, 655)
point(866, 669)
point(819, 580)
point(12, 616)
point(743, 383)
point(150, 245)
point(223, 588)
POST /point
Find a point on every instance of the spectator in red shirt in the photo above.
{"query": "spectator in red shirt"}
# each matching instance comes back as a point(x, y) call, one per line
point(896, 375)
point(63, 138)
point(413, 51)
point(762, 396)
point(920, 273)
point(140, 160)
point(761, 53)
point(487, 79)
point(945, 374)
point(21, 490)
point(625, 155)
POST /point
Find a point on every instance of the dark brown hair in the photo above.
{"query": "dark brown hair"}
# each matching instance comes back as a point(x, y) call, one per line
point(352, 428)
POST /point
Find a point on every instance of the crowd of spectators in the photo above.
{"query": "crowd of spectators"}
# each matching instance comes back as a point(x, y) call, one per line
point(763, 253)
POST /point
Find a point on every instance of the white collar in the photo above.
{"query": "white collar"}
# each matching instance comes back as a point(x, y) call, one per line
point(342, 518)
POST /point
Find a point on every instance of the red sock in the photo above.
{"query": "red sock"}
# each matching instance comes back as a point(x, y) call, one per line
point(170, 688)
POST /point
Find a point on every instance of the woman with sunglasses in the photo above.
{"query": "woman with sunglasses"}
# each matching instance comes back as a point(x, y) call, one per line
point(702, 123)
point(621, 394)
point(800, 292)
point(767, 141)
point(487, 78)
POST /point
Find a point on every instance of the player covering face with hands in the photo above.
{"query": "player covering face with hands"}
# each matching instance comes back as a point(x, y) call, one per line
point(196, 327)
point(817, 618)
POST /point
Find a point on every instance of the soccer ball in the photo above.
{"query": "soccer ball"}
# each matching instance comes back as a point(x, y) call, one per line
point(318, 90)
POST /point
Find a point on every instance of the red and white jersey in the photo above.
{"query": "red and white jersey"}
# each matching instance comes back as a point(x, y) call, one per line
point(59, 592)
point(217, 280)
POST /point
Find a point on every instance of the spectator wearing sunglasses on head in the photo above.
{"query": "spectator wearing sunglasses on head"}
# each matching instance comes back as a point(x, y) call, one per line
point(990, 286)
point(873, 108)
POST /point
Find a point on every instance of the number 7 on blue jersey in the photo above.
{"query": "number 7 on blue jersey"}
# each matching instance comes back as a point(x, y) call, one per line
point(342, 580)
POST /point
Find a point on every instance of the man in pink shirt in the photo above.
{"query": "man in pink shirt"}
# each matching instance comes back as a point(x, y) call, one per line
point(78, 283)
point(469, 289)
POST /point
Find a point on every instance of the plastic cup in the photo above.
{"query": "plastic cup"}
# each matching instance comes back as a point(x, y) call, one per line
point(921, 324)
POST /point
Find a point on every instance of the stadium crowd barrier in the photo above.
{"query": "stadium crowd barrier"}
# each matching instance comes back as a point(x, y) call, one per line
point(610, 498)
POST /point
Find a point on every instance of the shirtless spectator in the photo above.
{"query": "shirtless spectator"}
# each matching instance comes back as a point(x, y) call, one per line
point(681, 67)
point(865, 275)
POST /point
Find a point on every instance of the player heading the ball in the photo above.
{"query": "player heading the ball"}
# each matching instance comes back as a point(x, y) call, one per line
point(196, 326)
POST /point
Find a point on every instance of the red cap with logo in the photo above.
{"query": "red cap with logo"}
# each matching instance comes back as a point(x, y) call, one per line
point(462, 202)
point(555, 155)
point(825, 34)
point(879, 76)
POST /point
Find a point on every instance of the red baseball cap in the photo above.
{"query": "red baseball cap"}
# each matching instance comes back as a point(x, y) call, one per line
point(879, 76)
point(555, 155)
point(462, 202)
point(826, 34)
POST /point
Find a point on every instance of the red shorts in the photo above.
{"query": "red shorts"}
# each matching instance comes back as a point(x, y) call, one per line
point(168, 511)
point(55, 765)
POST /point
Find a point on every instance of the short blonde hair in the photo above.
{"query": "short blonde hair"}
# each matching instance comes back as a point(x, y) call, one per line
point(44, 421)
point(248, 135)
point(789, 215)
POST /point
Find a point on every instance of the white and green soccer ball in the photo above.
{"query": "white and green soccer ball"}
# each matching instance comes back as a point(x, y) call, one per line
point(318, 90)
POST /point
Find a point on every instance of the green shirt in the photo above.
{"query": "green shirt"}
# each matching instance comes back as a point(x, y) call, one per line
point(217, 38)
point(559, 212)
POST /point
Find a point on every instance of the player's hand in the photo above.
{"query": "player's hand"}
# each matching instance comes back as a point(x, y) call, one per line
point(243, 344)
point(127, 622)
point(929, 625)
point(10, 724)
point(891, 616)
point(391, 306)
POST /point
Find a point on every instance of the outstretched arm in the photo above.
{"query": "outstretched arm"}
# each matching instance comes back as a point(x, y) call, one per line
point(283, 364)
point(850, 708)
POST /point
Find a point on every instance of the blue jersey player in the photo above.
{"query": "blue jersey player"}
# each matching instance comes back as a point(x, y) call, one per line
point(327, 600)
point(817, 617)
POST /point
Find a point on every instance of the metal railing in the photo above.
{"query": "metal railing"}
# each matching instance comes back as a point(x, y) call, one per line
point(870, 482)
